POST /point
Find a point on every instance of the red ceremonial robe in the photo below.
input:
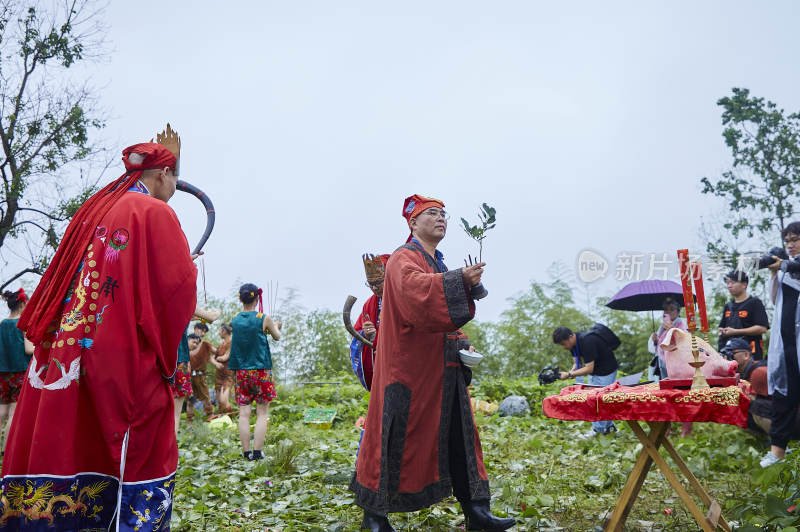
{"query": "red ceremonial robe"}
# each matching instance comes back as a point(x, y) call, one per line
point(96, 406)
point(361, 355)
point(403, 462)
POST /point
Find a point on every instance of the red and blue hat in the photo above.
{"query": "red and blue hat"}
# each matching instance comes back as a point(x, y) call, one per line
point(414, 205)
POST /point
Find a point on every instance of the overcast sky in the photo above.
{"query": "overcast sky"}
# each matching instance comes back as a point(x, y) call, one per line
point(585, 124)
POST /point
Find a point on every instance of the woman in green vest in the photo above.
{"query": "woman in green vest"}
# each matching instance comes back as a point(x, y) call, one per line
point(251, 362)
point(15, 353)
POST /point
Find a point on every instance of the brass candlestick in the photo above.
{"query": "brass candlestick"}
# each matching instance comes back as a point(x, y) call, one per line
point(699, 381)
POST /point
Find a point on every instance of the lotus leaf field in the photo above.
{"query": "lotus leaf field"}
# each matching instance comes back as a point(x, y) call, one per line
point(541, 474)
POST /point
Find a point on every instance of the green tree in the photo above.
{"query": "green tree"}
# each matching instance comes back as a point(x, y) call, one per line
point(762, 186)
point(522, 340)
point(314, 344)
point(633, 330)
point(45, 121)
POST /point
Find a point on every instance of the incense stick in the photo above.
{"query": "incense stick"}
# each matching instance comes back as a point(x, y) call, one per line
point(275, 307)
point(203, 271)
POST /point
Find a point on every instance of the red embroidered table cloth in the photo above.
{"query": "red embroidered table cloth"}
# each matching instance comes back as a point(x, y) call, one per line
point(649, 403)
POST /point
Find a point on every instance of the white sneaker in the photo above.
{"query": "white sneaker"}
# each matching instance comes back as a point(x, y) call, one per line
point(770, 459)
point(589, 434)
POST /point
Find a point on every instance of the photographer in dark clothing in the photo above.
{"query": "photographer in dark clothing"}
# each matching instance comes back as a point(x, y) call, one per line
point(744, 317)
point(595, 349)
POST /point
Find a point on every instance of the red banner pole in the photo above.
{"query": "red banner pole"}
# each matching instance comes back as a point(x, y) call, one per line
point(686, 284)
point(697, 270)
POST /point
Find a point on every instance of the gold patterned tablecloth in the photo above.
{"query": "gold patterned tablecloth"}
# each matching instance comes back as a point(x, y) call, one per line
point(649, 403)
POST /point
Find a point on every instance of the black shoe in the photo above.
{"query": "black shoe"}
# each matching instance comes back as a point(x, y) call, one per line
point(257, 455)
point(478, 517)
point(248, 455)
point(376, 523)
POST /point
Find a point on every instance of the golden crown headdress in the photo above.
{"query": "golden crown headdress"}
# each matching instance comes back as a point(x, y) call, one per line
point(373, 265)
point(170, 140)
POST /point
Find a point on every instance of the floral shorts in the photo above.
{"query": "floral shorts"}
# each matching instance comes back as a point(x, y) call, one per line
point(10, 385)
point(183, 381)
point(254, 385)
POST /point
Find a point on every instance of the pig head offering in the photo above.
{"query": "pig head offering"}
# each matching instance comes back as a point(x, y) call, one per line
point(677, 346)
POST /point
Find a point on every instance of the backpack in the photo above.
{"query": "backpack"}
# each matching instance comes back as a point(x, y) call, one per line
point(611, 340)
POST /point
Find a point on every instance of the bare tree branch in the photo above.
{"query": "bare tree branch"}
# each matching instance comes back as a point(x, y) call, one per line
point(47, 214)
point(31, 222)
point(46, 116)
point(18, 275)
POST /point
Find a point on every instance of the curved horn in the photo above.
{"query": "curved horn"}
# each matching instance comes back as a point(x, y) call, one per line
point(210, 213)
point(348, 306)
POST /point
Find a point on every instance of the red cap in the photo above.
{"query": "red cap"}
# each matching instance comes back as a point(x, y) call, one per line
point(413, 205)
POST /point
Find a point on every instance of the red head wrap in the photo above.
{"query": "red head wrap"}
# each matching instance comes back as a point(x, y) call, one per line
point(414, 205)
point(146, 156)
point(45, 305)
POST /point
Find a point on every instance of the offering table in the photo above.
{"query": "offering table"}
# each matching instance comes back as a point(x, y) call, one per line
point(656, 408)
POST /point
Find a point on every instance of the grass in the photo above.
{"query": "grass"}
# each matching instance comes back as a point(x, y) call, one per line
point(540, 473)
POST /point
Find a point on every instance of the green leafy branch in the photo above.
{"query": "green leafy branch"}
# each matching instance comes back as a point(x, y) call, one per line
point(477, 232)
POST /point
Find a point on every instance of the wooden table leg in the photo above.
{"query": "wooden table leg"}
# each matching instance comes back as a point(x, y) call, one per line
point(636, 478)
point(670, 475)
point(714, 515)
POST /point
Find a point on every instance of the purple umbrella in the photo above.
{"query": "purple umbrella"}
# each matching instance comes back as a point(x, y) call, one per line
point(646, 295)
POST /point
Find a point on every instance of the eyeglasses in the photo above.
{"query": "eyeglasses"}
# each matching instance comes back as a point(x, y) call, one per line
point(374, 284)
point(436, 213)
point(788, 241)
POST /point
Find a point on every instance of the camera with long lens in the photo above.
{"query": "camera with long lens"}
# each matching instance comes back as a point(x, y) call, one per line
point(768, 259)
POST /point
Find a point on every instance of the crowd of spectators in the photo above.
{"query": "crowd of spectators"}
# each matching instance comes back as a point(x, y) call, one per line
point(774, 380)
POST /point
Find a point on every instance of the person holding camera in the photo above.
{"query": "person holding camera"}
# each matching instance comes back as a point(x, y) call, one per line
point(744, 316)
point(599, 361)
point(783, 364)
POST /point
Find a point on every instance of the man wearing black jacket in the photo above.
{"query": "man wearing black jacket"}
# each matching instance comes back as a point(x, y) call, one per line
point(591, 351)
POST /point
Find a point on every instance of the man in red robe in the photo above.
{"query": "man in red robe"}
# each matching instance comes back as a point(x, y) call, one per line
point(420, 441)
point(93, 443)
point(361, 355)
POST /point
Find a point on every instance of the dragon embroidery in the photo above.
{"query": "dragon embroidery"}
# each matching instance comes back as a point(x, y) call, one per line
point(35, 503)
point(76, 317)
